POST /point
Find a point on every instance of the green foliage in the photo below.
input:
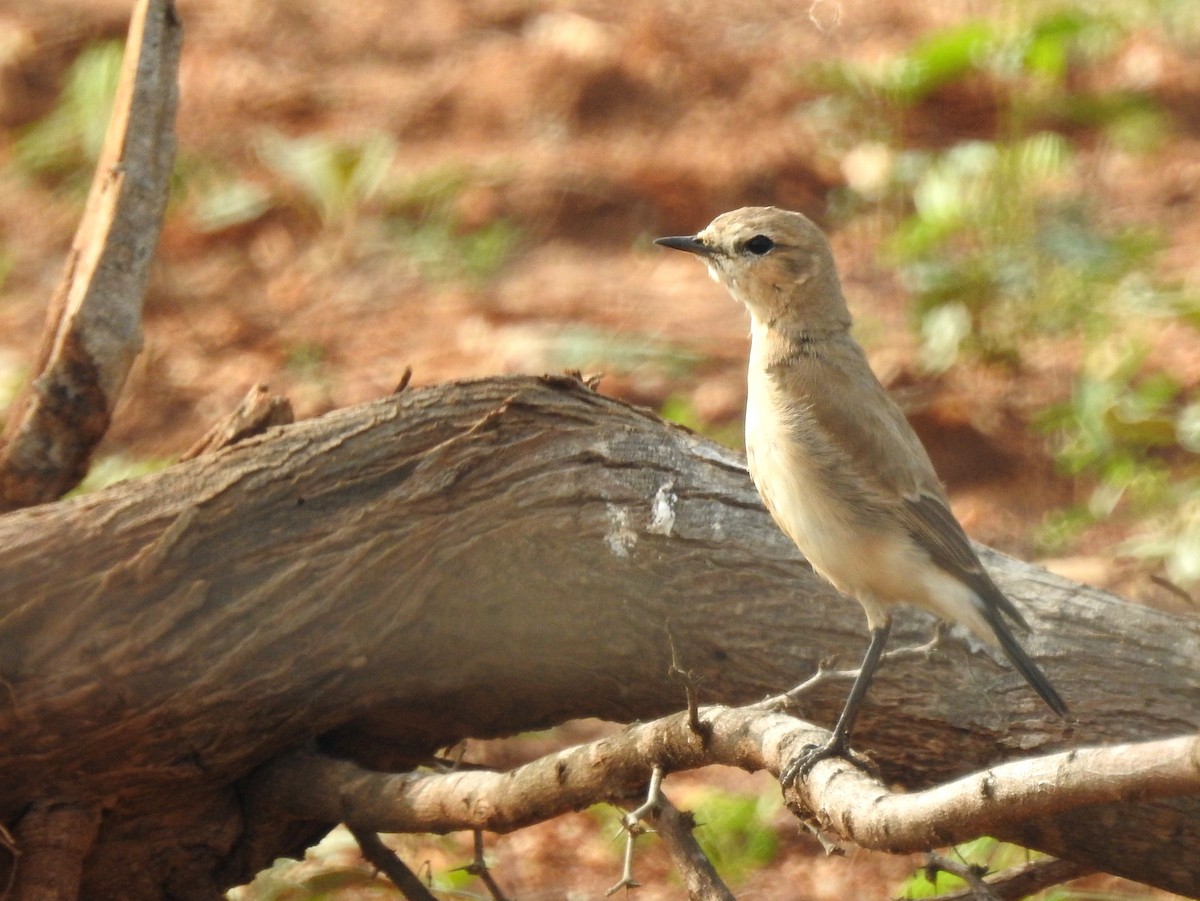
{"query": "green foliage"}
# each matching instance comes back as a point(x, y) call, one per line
point(999, 244)
point(7, 262)
point(428, 228)
point(735, 832)
point(443, 251)
point(983, 852)
point(225, 202)
point(584, 347)
point(940, 59)
point(1027, 58)
point(306, 359)
point(335, 176)
point(116, 468)
point(1173, 537)
point(996, 856)
point(996, 250)
point(678, 408)
point(67, 141)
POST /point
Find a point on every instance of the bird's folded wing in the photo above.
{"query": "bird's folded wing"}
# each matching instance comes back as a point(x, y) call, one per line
point(933, 527)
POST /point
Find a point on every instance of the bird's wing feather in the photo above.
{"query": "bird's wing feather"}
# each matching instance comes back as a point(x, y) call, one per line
point(866, 431)
point(861, 426)
point(933, 527)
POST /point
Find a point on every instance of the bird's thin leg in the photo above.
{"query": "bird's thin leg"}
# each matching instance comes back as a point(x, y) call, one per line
point(838, 744)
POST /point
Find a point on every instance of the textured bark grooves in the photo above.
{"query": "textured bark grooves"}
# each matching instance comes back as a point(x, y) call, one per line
point(477, 559)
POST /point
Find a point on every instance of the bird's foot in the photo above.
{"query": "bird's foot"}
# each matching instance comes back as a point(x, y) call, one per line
point(810, 755)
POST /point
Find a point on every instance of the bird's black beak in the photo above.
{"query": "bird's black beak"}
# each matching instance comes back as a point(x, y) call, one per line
point(688, 243)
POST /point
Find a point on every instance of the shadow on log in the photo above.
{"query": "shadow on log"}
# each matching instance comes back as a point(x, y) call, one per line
point(478, 559)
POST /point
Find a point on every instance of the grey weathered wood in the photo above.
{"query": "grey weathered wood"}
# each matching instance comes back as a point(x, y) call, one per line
point(477, 559)
point(94, 324)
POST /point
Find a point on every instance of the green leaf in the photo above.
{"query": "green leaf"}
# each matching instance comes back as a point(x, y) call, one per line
point(945, 57)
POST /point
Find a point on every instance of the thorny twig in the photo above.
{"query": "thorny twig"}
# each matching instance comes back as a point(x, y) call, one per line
point(971, 874)
point(699, 876)
point(632, 826)
point(478, 868)
point(676, 672)
point(385, 860)
point(787, 700)
point(1025, 880)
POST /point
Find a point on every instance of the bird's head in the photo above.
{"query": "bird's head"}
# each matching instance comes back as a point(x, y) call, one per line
point(776, 262)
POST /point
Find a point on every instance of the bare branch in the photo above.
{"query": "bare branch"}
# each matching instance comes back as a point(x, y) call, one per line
point(93, 327)
point(405, 378)
point(688, 681)
point(699, 876)
point(837, 796)
point(824, 674)
point(386, 861)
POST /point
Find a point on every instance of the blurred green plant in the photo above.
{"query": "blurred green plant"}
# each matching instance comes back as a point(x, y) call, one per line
point(66, 142)
point(996, 856)
point(1027, 61)
point(306, 359)
point(1116, 425)
point(996, 249)
point(335, 176)
point(444, 251)
point(680, 409)
point(7, 261)
point(1172, 538)
point(735, 831)
point(982, 852)
point(585, 347)
point(116, 468)
point(998, 243)
point(1134, 433)
point(427, 226)
point(219, 202)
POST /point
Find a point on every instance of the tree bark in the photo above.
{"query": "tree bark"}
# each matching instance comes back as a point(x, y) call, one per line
point(94, 323)
point(478, 559)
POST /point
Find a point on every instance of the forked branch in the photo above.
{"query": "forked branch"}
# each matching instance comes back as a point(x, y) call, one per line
point(836, 797)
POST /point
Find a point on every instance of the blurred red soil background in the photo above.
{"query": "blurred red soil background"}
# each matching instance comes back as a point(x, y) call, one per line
point(470, 188)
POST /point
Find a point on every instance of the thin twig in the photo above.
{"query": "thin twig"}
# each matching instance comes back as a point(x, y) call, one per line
point(787, 700)
point(971, 874)
point(1165, 583)
point(677, 673)
point(385, 860)
point(1025, 880)
point(478, 868)
point(631, 825)
point(627, 881)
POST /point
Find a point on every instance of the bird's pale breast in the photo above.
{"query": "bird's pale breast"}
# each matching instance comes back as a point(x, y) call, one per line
point(859, 549)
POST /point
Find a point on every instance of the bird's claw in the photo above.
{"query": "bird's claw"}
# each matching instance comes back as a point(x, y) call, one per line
point(810, 755)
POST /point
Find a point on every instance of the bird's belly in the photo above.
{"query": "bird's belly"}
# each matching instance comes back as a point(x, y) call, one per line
point(821, 525)
point(857, 552)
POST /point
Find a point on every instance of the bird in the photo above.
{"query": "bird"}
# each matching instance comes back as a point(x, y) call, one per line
point(834, 459)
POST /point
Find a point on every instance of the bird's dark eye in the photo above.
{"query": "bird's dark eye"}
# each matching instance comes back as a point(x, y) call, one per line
point(759, 245)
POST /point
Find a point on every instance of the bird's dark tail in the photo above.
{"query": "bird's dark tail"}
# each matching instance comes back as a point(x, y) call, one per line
point(1024, 664)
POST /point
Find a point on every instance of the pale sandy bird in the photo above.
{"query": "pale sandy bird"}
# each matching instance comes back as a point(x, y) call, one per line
point(834, 459)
